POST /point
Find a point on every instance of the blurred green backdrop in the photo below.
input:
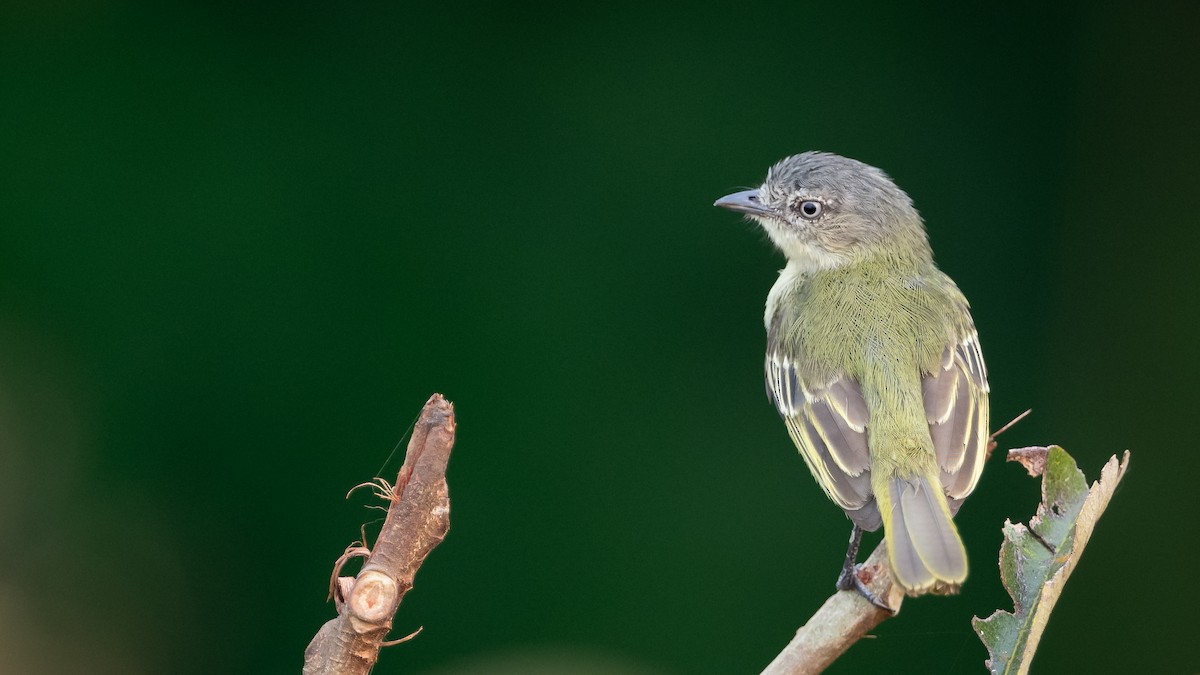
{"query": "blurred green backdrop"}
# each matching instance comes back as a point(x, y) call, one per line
point(241, 244)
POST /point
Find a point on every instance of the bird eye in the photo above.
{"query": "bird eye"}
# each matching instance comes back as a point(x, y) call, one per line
point(810, 209)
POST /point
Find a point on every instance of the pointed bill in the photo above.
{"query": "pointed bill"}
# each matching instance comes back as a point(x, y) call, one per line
point(745, 201)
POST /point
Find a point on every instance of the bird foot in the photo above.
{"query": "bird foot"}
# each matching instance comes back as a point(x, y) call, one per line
point(850, 580)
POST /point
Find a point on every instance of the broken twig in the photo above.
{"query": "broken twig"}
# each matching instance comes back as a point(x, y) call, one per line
point(417, 521)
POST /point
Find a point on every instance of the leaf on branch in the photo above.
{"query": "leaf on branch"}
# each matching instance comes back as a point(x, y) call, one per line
point(1035, 561)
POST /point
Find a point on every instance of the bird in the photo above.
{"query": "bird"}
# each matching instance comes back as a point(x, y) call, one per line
point(873, 362)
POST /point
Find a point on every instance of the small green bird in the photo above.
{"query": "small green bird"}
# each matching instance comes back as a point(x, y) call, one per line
point(873, 362)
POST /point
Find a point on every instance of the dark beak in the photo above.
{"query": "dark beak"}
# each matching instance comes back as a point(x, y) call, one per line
point(745, 201)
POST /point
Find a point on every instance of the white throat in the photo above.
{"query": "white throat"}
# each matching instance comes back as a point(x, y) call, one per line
point(805, 257)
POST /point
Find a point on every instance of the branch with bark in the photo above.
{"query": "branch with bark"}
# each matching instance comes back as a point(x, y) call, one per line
point(417, 521)
point(844, 618)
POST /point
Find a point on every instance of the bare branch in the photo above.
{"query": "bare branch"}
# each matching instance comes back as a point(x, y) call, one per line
point(417, 521)
point(844, 618)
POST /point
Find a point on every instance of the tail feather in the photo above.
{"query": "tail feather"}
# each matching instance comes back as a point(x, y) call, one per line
point(924, 548)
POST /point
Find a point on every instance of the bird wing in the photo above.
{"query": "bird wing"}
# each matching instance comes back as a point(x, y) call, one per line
point(956, 407)
point(828, 423)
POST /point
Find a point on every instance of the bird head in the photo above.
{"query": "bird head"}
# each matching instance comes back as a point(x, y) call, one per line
point(824, 211)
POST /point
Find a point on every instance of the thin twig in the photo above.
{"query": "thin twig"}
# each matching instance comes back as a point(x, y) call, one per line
point(991, 444)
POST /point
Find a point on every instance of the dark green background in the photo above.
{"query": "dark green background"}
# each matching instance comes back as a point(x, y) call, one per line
point(241, 245)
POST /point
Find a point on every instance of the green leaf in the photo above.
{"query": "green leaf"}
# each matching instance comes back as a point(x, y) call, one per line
point(1035, 560)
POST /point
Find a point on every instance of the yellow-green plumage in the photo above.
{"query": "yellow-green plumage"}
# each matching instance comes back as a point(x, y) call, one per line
point(873, 361)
